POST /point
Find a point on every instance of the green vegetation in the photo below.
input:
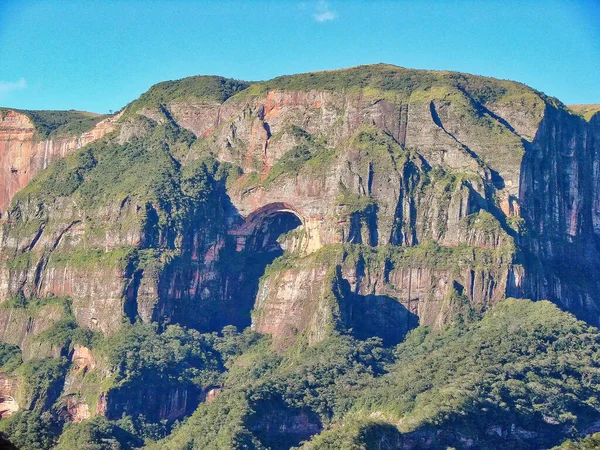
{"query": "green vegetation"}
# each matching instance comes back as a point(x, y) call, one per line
point(291, 162)
point(517, 224)
point(105, 171)
point(524, 363)
point(141, 172)
point(378, 150)
point(586, 111)
point(96, 434)
point(199, 88)
point(51, 124)
point(178, 355)
point(382, 79)
point(526, 369)
point(318, 379)
point(486, 223)
point(428, 254)
point(358, 434)
point(87, 258)
point(140, 358)
point(30, 430)
point(59, 334)
point(20, 261)
point(591, 442)
point(10, 357)
point(34, 304)
point(43, 381)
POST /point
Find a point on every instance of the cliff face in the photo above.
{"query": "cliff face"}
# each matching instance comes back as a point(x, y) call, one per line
point(24, 153)
point(399, 197)
point(559, 196)
point(452, 160)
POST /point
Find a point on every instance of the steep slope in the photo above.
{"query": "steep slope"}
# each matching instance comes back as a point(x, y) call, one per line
point(31, 140)
point(366, 201)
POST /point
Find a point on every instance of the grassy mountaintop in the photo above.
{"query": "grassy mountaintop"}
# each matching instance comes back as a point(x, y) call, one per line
point(387, 77)
point(587, 111)
point(207, 88)
point(373, 78)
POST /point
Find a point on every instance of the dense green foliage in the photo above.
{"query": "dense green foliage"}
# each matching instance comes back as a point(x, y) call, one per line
point(525, 363)
point(144, 362)
point(96, 434)
point(10, 357)
point(50, 124)
point(30, 430)
point(43, 381)
point(142, 169)
point(591, 442)
point(358, 434)
point(317, 379)
point(177, 355)
point(141, 359)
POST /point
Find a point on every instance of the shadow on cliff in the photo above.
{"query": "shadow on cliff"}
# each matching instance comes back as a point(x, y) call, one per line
point(373, 315)
point(215, 281)
point(561, 252)
point(279, 426)
point(260, 250)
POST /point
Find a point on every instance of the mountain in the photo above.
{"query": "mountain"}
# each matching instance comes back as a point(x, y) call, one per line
point(369, 228)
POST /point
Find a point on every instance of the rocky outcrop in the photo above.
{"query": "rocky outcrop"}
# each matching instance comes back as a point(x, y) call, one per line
point(23, 153)
point(156, 403)
point(76, 410)
point(83, 359)
point(21, 326)
point(377, 293)
point(9, 394)
point(558, 196)
point(298, 209)
point(280, 427)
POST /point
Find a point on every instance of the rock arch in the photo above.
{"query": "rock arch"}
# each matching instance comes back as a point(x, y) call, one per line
point(280, 215)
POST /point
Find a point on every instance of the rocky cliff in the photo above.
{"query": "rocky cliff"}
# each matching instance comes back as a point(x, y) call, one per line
point(25, 150)
point(375, 156)
point(390, 197)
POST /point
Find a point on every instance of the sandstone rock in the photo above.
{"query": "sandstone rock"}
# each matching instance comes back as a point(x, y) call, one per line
point(9, 391)
point(23, 154)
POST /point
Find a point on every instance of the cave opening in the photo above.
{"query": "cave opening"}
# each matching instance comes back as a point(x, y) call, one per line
point(264, 239)
point(262, 248)
point(259, 243)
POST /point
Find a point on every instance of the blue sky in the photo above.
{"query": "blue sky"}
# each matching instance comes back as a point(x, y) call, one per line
point(98, 56)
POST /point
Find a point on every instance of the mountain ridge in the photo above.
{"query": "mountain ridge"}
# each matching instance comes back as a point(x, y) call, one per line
point(386, 204)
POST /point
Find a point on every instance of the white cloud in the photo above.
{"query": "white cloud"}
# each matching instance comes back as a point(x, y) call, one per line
point(324, 16)
point(323, 13)
point(8, 86)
